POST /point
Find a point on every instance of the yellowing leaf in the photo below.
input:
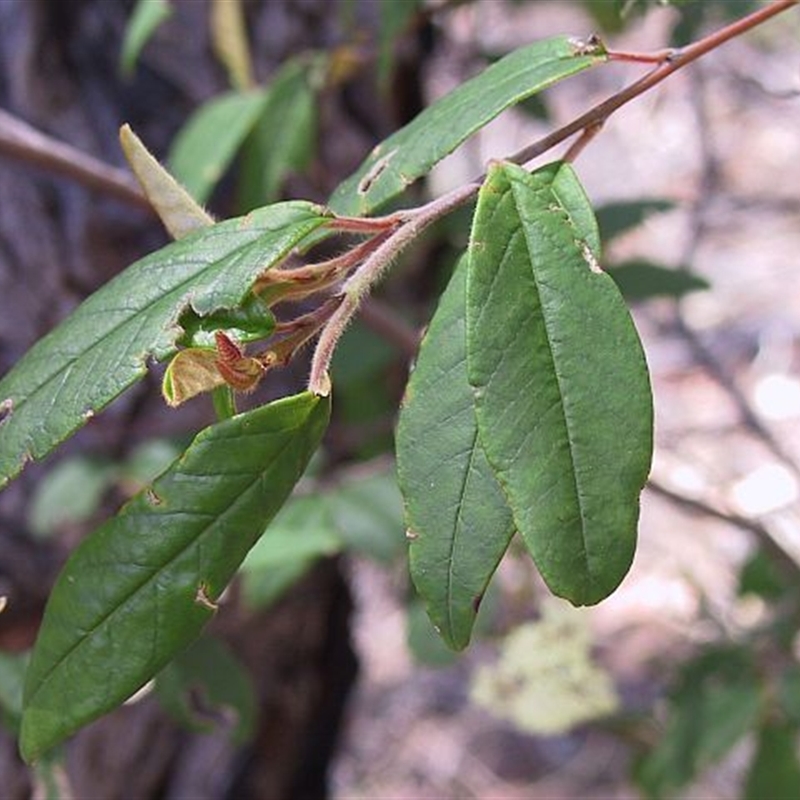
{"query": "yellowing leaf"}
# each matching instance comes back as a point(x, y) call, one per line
point(191, 372)
point(229, 39)
point(174, 205)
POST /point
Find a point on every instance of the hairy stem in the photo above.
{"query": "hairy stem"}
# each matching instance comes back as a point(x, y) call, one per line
point(362, 280)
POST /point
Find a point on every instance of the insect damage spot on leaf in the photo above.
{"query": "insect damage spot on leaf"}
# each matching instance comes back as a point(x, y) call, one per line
point(202, 598)
point(153, 498)
point(411, 535)
point(589, 257)
point(367, 182)
point(6, 410)
point(590, 46)
point(476, 602)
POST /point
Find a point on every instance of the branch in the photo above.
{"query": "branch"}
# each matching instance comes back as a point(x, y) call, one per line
point(785, 561)
point(361, 281)
point(24, 143)
point(669, 61)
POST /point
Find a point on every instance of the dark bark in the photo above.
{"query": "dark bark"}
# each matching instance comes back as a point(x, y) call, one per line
point(60, 241)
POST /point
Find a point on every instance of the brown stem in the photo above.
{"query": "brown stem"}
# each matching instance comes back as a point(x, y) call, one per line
point(297, 333)
point(598, 114)
point(362, 280)
point(659, 57)
point(24, 143)
point(577, 147)
point(367, 224)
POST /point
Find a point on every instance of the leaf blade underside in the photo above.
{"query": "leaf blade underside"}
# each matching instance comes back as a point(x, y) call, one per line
point(456, 513)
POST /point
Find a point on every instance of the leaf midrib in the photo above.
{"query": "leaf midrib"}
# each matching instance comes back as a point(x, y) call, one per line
point(564, 416)
point(456, 527)
point(172, 558)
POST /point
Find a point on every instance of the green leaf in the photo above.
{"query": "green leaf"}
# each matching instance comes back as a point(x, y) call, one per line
point(411, 152)
point(70, 493)
point(103, 347)
point(362, 515)
point(789, 694)
point(141, 588)
point(250, 321)
point(458, 520)
point(283, 138)
point(146, 462)
point(561, 386)
point(775, 771)
point(147, 16)
point(641, 280)
point(615, 219)
point(761, 576)
point(206, 684)
point(211, 137)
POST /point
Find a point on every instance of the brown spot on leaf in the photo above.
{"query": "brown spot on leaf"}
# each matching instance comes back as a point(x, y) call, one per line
point(202, 598)
point(590, 46)
point(377, 169)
